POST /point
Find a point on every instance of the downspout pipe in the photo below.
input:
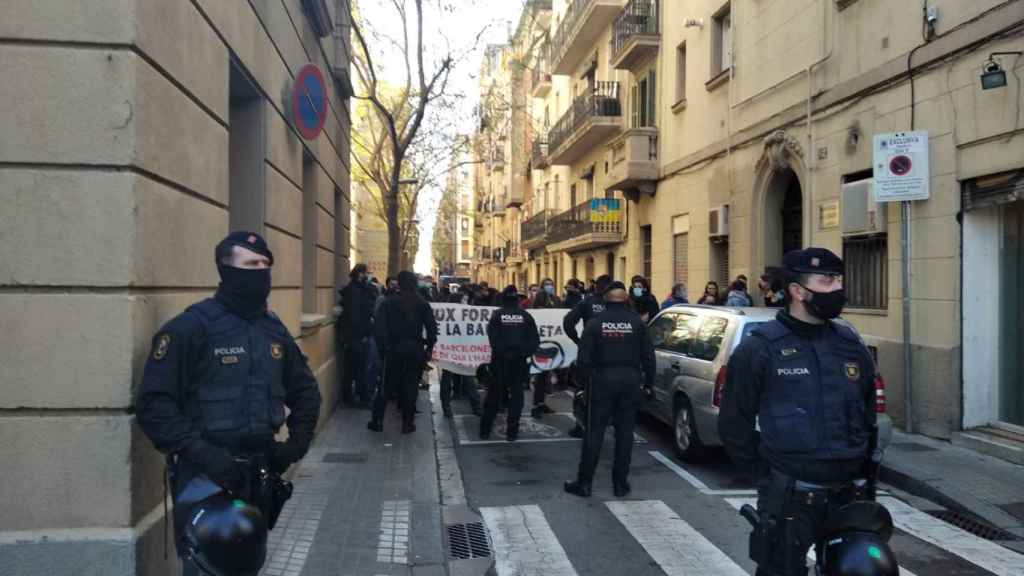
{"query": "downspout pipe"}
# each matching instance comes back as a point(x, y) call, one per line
point(826, 9)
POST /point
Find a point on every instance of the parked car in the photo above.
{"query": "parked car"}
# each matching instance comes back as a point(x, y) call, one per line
point(692, 346)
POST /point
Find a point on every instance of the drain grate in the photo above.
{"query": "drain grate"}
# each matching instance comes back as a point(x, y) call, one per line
point(345, 457)
point(977, 527)
point(467, 541)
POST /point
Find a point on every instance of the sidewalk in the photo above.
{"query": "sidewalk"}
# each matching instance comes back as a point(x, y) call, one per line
point(365, 503)
point(960, 479)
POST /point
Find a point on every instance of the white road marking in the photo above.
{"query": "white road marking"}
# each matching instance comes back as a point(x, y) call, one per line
point(393, 540)
point(738, 503)
point(977, 551)
point(676, 546)
point(524, 544)
point(693, 480)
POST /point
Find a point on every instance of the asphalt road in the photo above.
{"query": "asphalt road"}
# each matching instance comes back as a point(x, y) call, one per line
point(680, 519)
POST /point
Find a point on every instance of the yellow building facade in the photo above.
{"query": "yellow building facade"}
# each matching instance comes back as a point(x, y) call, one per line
point(728, 132)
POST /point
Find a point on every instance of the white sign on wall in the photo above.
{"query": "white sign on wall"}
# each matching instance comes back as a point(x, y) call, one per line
point(901, 166)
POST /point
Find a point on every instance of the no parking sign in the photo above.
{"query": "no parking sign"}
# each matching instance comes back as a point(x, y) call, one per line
point(901, 166)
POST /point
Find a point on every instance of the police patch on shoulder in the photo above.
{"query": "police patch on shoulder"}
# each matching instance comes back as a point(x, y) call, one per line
point(276, 350)
point(852, 370)
point(789, 351)
point(160, 350)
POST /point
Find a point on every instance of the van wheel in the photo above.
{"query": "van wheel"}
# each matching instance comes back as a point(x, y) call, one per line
point(684, 432)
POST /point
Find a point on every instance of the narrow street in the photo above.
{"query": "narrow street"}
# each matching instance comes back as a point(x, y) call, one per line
point(680, 518)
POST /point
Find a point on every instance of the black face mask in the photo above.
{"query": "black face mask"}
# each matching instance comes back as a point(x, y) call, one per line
point(245, 291)
point(825, 305)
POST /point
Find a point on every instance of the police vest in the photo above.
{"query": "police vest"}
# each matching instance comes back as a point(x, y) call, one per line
point(813, 405)
point(239, 395)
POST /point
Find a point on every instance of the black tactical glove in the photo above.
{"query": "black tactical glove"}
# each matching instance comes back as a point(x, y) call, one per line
point(283, 455)
point(218, 464)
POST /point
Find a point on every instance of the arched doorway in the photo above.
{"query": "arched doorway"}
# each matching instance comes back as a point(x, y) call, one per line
point(781, 218)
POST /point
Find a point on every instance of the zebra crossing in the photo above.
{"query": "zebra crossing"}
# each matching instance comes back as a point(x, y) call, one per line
point(525, 544)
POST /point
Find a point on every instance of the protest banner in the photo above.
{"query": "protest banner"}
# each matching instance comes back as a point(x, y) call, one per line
point(462, 343)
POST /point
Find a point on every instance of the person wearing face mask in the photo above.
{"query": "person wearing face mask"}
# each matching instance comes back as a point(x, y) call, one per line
point(216, 384)
point(640, 298)
point(548, 287)
point(808, 381)
point(573, 294)
point(678, 296)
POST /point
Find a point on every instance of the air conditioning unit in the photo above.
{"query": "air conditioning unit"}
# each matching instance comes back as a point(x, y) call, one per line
point(718, 221)
point(862, 214)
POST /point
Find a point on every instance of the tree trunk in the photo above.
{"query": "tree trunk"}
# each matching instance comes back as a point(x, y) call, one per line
point(394, 233)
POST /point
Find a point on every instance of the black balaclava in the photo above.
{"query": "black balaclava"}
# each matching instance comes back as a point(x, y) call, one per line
point(244, 291)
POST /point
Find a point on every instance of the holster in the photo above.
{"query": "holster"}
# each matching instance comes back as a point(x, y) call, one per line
point(763, 540)
point(263, 488)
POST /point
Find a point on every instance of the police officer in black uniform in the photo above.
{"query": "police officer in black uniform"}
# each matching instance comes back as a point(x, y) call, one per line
point(617, 358)
point(217, 381)
point(513, 335)
point(406, 333)
point(589, 307)
point(809, 382)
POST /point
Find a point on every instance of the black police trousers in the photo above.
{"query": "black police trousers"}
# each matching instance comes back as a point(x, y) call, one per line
point(354, 385)
point(453, 384)
point(401, 377)
point(613, 397)
point(189, 568)
point(508, 377)
point(797, 517)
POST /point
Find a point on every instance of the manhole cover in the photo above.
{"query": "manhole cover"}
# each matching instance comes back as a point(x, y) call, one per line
point(345, 457)
point(975, 526)
point(911, 447)
point(467, 541)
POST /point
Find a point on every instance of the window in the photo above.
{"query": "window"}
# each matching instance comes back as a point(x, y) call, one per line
point(867, 271)
point(645, 236)
point(572, 196)
point(309, 218)
point(681, 249)
point(642, 101)
point(465, 225)
point(709, 338)
point(341, 237)
point(246, 151)
point(465, 250)
point(661, 329)
point(721, 41)
point(718, 262)
point(683, 334)
point(681, 73)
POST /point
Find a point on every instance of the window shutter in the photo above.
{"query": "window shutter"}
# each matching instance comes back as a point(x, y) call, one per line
point(682, 258)
point(634, 99)
point(651, 98)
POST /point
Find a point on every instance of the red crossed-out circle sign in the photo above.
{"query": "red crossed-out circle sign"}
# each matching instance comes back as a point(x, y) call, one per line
point(900, 165)
point(309, 101)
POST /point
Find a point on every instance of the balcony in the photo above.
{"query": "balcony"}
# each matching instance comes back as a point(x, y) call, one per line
point(593, 117)
point(592, 224)
point(534, 229)
point(633, 162)
point(517, 194)
point(485, 253)
point(539, 158)
point(636, 37)
point(579, 31)
point(513, 254)
point(542, 72)
point(498, 160)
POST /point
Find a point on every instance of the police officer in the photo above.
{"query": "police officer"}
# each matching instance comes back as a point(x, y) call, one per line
point(617, 357)
point(406, 333)
point(513, 335)
point(217, 381)
point(809, 382)
point(589, 307)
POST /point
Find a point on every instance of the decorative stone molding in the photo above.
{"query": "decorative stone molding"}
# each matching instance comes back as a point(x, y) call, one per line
point(779, 147)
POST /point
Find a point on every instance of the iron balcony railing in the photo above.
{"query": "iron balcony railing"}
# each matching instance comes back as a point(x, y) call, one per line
point(485, 253)
point(578, 220)
point(601, 101)
point(560, 41)
point(535, 227)
point(540, 153)
point(639, 17)
point(542, 67)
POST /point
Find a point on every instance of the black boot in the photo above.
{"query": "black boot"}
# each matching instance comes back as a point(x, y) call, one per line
point(408, 428)
point(622, 490)
point(577, 431)
point(578, 488)
point(512, 434)
point(375, 426)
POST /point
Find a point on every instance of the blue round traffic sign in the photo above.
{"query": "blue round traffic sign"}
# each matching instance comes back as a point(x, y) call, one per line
point(309, 101)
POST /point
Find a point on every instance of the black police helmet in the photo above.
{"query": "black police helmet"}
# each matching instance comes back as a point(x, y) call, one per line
point(859, 554)
point(226, 537)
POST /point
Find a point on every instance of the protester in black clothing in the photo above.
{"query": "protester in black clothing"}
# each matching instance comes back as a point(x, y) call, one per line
point(573, 294)
point(358, 299)
point(710, 296)
point(640, 298)
point(217, 384)
point(400, 329)
point(617, 357)
point(513, 337)
point(798, 413)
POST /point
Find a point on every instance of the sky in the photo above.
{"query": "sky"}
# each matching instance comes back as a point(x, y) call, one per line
point(456, 31)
